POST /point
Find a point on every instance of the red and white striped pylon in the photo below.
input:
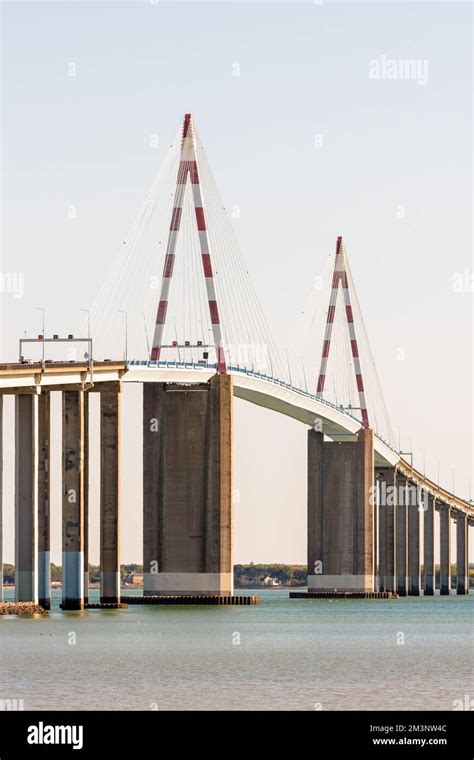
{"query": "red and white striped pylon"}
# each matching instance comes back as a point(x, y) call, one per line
point(188, 165)
point(340, 277)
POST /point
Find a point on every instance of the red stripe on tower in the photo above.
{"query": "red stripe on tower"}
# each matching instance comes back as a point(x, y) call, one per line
point(355, 349)
point(168, 267)
point(349, 315)
point(161, 315)
point(326, 345)
point(331, 312)
point(360, 383)
point(187, 119)
point(321, 380)
point(201, 222)
point(214, 312)
point(175, 219)
point(207, 266)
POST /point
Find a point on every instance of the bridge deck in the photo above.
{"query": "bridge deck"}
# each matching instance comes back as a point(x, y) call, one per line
point(262, 390)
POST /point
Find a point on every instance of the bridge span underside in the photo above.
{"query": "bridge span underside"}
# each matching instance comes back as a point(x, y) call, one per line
point(370, 515)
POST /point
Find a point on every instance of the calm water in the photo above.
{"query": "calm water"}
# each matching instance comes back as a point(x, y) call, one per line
point(292, 655)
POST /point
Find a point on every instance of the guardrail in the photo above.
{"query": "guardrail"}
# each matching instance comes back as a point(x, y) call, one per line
point(260, 376)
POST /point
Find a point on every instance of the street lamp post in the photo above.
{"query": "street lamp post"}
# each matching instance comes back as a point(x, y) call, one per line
point(40, 308)
point(89, 344)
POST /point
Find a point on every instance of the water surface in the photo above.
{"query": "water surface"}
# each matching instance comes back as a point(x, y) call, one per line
point(284, 654)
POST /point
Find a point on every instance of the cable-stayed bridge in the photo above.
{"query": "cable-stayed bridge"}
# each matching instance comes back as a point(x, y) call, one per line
point(179, 315)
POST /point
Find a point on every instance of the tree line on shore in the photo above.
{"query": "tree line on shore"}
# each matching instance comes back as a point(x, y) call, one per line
point(285, 575)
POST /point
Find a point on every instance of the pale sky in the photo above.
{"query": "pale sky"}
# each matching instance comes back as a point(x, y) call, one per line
point(309, 146)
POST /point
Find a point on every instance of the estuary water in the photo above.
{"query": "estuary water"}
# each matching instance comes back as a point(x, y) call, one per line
point(284, 654)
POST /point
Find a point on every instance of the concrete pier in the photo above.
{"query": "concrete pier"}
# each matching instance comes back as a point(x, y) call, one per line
point(26, 497)
point(187, 488)
point(414, 560)
point(428, 544)
point(402, 536)
point(382, 530)
point(340, 513)
point(1, 498)
point(110, 420)
point(86, 498)
point(44, 555)
point(73, 500)
point(445, 549)
point(462, 585)
point(387, 522)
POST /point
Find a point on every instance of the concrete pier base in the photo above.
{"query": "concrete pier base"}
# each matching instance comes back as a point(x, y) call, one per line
point(340, 513)
point(445, 549)
point(342, 595)
point(187, 488)
point(462, 584)
point(193, 599)
point(26, 497)
point(73, 500)
point(110, 421)
point(428, 545)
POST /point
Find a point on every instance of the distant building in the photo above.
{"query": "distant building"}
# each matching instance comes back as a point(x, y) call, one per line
point(269, 581)
point(133, 580)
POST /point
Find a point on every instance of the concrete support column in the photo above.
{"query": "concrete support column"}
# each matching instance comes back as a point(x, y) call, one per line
point(1, 498)
point(340, 513)
point(428, 544)
point(382, 529)
point(462, 585)
point(26, 497)
point(413, 518)
point(402, 535)
point(375, 530)
point(387, 496)
point(86, 498)
point(153, 506)
point(445, 549)
point(110, 419)
point(44, 556)
point(73, 500)
point(187, 488)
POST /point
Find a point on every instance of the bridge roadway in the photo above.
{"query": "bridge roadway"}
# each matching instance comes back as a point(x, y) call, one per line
point(257, 388)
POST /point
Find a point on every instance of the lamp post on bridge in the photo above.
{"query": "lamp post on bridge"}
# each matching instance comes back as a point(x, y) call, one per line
point(40, 308)
point(89, 345)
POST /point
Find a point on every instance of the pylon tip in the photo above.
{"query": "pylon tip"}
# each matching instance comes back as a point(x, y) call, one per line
point(187, 119)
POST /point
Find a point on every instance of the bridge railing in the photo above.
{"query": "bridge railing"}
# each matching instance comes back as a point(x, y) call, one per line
point(261, 376)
